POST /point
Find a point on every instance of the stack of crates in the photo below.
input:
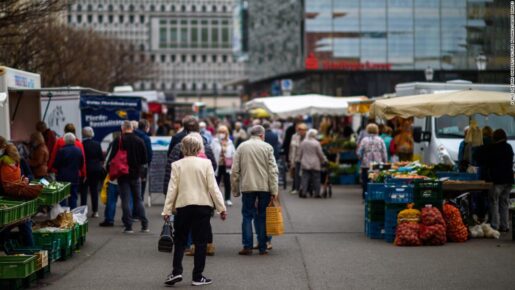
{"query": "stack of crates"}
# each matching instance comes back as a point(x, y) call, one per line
point(17, 272)
point(399, 192)
point(374, 210)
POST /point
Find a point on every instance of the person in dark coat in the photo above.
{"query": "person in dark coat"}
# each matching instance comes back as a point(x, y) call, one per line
point(49, 135)
point(189, 124)
point(131, 183)
point(497, 158)
point(142, 132)
point(272, 139)
point(94, 169)
point(68, 163)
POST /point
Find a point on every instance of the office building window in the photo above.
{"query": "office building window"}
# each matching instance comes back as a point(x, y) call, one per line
point(110, 8)
point(213, 58)
point(204, 58)
point(172, 57)
point(224, 58)
point(79, 7)
point(183, 58)
point(90, 18)
point(184, 33)
point(163, 8)
point(120, 18)
point(214, 33)
point(79, 18)
point(69, 19)
point(131, 18)
point(131, 8)
point(90, 8)
point(203, 8)
point(110, 18)
point(193, 8)
point(172, 8)
point(163, 58)
point(194, 87)
point(183, 86)
point(214, 8)
point(152, 58)
point(142, 19)
point(152, 8)
point(193, 58)
point(121, 7)
point(100, 19)
point(224, 9)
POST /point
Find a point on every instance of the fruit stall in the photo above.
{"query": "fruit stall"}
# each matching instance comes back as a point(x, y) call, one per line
point(54, 239)
point(414, 204)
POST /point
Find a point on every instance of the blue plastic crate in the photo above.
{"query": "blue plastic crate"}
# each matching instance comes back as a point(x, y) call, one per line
point(375, 191)
point(390, 218)
point(457, 175)
point(348, 155)
point(374, 230)
point(389, 238)
point(400, 181)
point(399, 194)
point(348, 179)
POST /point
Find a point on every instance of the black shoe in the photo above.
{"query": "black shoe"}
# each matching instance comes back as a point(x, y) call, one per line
point(201, 281)
point(106, 224)
point(171, 279)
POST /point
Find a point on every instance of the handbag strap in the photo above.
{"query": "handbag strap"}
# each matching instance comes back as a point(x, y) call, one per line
point(275, 202)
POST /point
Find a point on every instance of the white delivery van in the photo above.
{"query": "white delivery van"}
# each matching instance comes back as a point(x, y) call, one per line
point(437, 139)
point(19, 103)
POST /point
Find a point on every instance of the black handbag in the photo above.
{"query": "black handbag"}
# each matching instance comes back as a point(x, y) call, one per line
point(165, 243)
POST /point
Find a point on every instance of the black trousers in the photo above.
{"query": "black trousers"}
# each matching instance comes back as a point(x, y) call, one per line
point(226, 177)
point(196, 219)
point(93, 183)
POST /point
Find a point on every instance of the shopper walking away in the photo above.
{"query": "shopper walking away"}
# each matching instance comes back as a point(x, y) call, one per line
point(49, 135)
point(142, 133)
point(68, 163)
point(112, 192)
point(386, 135)
point(192, 195)
point(60, 143)
point(255, 176)
point(223, 149)
point(239, 134)
point(186, 124)
point(370, 149)
point(295, 157)
point(498, 161)
point(272, 139)
point(131, 183)
point(205, 133)
point(39, 155)
point(311, 159)
point(94, 170)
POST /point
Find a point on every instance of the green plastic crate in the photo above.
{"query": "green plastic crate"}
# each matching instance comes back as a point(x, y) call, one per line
point(17, 267)
point(427, 191)
point(76, 234)
point(10, 211)
point(84, 229)
point(64, 236)
point(54, 196)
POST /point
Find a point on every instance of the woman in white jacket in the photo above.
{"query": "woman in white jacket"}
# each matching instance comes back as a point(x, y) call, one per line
point(224, 150)
point(192, 195)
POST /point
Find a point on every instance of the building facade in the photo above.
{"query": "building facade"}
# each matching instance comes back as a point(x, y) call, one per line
point(356, 47)
point(190, 41)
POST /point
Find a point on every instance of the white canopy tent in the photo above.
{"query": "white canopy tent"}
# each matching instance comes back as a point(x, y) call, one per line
point(289, 106)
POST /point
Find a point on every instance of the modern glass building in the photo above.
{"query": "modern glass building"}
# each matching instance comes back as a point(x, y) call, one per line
point(350, 47)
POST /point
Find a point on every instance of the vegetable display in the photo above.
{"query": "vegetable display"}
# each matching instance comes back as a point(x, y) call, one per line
point(407, 234)
point(456, 229)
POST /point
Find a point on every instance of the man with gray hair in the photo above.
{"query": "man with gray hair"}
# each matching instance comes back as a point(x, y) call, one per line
point(131, 183)
point(255, 175)
point(68, 163)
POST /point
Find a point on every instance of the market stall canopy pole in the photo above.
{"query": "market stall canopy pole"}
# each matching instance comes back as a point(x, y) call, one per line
point(467, 102)
point(289, 106)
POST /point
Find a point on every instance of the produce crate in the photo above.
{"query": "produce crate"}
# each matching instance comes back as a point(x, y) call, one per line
point(53, 248)
point(375, 191)
point(399, 181)
point(390, 217)
point(374, 230)
point(64, 236)
point(457, 175)
point(10, 211)
point(17, 267)
point(53, 196)
point(374, 210)
point(427, 191)
point(348, 179)
point(399, 194)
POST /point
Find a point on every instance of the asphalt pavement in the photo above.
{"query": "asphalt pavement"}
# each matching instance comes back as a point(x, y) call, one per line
point(324, 247)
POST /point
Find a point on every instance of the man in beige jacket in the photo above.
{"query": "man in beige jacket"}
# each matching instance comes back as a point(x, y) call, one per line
point(255, 175)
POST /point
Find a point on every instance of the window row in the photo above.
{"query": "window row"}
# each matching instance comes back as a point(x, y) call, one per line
point(211, 87)
point(90, 18)
point(163, 58)
point(151, 8)
point(194, 33)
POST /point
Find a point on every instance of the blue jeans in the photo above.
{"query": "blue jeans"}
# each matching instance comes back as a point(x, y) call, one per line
point(26, 232)
point(112, 199)
point(131, 187)
point(249, 213)
point(72, 200)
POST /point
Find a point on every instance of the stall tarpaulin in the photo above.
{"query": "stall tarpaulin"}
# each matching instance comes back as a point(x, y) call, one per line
point(289, 106)
point(106, 114)
point(467, 102)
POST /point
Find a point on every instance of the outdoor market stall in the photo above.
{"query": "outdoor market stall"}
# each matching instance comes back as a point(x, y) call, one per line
point(394, 188)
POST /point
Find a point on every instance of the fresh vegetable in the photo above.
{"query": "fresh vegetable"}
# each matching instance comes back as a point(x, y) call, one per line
point(410, 215)
point(432, 216)
point(456, 229)
point(407, 234)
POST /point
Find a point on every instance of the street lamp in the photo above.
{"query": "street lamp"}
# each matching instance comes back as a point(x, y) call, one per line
point(429, 72)
point(481, 62)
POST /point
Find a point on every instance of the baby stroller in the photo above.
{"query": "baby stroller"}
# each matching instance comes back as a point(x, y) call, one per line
point(327, 189)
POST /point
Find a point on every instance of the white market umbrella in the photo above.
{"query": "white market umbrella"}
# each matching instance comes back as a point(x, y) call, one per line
point(312, 104)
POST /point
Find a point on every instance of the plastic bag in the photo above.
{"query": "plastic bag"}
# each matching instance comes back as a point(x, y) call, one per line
point(407, 234)
point(410, 215)
point(80, 214)
point(103, 192)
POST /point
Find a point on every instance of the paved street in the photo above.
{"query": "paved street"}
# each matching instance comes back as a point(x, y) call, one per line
point(324, 248)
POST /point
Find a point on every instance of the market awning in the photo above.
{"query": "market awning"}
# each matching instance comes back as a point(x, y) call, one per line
point(467, 102)
point(288, 106)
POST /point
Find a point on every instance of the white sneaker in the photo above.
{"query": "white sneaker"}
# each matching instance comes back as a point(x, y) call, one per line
point(228, 202)
point(293, 192)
